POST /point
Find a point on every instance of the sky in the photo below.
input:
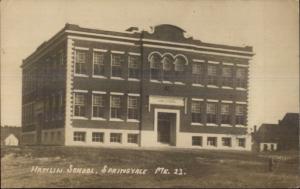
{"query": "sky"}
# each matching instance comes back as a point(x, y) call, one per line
point(270, 26)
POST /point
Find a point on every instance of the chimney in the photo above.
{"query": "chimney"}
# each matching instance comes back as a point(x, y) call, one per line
point(255, 128)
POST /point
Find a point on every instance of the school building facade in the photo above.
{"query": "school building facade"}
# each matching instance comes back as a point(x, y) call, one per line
point(92, 87)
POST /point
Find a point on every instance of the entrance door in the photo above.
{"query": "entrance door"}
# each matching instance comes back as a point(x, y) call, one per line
point(166, 128)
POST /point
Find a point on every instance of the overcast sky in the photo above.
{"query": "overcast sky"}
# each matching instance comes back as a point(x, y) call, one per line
point(271, 27)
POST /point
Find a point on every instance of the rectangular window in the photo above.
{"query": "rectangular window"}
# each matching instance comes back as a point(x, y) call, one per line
point(98, 105)
point(79, 136)
point(241, 74)
point(225, 114)
point(98, 63)
point(197, 72)
point(196, 112)
point(155, 70)
point(80, 62)
point(227, 73)
point(116, 65)
point(197, 141)
point(97, 137)
point(167, 69)
point(80, 105)
point(240, 115)
point(211, 113)
point(133, 104)
point(115, 137)
point(132, 138)
point(212, 75)
point(226, 141)
point(241, 142)
point(115, 108)
point(58, 135)
point(134, 67)
point(211, 141)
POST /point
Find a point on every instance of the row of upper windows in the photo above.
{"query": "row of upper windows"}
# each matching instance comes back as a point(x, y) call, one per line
point(209, 111)
point(161, 70)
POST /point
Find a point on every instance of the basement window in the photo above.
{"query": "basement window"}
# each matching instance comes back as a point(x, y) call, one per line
point(79, 136)
point(197, 141)
point(115, 137)
point(212, 141)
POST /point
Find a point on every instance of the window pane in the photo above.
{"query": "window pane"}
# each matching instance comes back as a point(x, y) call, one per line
point(98, 100)
point(225, 108)
point(241, 73)
point(80, 57)
point(116, 101)
point(196, 107)
point(132, 102)
point(98, 58)
point(212, 70)
point(211, 108)
point(227, 72)
point(239, 110)
point(196, 69)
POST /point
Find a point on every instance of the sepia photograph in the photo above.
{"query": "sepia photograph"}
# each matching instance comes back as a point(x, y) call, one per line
point(149, 94)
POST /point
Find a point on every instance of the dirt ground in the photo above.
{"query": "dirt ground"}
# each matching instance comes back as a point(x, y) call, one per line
point(40, 167)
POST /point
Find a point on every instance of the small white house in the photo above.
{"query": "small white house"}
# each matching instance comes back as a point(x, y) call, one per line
point(11, 140)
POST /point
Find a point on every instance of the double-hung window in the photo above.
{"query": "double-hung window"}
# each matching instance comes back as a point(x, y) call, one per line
point(81, 62)
point(98, 105)
point(132, 138)
point(155, 65)
point(79, 136)
point(226, 141)
point(196, 72)
point(227, 74)
point(196, 140)
point(133, 104)
point(98, 63)
point(116, 137)
point(211, 113)
point(241, 75)
point(212, 141)
point(80, 105)
point(116, 65)
point(179, 69)
point(167, 68)
point(115, 108)
point(212, 75)
point(239, 114)
point(196, 112)
point(225, 114)
point(97, 137)
point(134, 67)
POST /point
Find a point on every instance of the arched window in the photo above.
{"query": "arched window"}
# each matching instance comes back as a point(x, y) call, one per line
point(179, 64)
point(155, 65)
point(168, 65)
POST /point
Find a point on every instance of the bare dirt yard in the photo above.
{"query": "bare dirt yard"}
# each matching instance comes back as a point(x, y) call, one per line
point(28, 167)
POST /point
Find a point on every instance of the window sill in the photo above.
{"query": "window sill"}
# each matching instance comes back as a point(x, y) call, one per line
point(226, 125)
point(179, 83)
point(212, 86)
point(82, 118)
point(80, 75)
point(155, 81)
point(133, 79)
point(98, 119)
point(240, 125)
point(99, 76)
point(241, 89)
point(225, 87)
point(133, 120)
point(167, 82)
point(117, 78)
point(115, 119)
point(197, 124)
point(197, 85)
point(211, 124)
